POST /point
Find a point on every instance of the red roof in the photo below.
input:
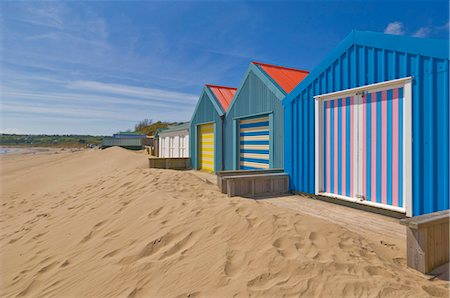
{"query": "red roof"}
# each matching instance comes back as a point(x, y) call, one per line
point(287, 78)
point(223, 94)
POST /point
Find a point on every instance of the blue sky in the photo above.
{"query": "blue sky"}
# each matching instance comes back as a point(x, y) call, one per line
point(100, 67)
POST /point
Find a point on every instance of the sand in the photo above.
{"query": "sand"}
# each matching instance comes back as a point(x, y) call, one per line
point(101, 224)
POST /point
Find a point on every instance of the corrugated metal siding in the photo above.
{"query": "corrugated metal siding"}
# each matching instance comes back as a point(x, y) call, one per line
point(206, 113)
point(255, 97)
point(362, 65)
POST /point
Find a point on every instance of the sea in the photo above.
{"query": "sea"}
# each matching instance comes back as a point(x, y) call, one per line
point(21, 150)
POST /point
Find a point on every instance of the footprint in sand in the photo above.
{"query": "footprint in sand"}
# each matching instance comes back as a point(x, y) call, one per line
point(281, 222)
point(285, 247)
point(216, 229)
point(233, 262)
point(266, 281)
point(168, 244)
point(246, 213)
point(155, 212)
point(435, 291)
point(182, 245)
point(318, 240)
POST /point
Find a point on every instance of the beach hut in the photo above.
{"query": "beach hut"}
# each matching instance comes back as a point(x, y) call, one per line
point(254, 120)
point(174, 141)
point(127, 140)
point(206, 128)
point(129, 135)
point(370, 124)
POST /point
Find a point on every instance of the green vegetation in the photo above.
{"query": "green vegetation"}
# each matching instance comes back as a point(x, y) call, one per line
point(149, 128)
point(146, 126)
point(49, 140)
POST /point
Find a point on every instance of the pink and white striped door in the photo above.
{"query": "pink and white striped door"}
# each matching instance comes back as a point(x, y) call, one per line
point(382, 144)
point(363, 135)
point(340, 159)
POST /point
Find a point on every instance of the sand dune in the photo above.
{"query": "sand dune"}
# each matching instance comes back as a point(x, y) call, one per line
point(101, 224)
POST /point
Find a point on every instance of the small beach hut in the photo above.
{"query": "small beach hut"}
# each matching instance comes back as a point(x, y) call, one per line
point(127, 140)
point(174, 141)
point(206, 128)
point(254, 121)
point(370, 124)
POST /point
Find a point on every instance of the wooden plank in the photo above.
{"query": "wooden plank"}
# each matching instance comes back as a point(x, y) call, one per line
point(257, 185)
point(248, 172)
point(258, 176)
point(175, 163)
point(430, 249)
point(221, 183)
point(426, 219)
point(412, 247)
point(419, 259)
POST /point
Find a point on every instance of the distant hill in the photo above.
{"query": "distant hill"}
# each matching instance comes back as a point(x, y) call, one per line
point(49, 140)
point(149, 128)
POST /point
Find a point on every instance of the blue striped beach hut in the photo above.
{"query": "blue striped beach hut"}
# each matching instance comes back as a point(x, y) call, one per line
point(370, 124)
point(254, 119)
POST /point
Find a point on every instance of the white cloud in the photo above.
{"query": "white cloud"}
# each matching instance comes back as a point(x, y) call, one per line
point(81, 99)
point(446, 26)
point(80, 113)
point(422, 32)
point(396, 28)
point(132, 91)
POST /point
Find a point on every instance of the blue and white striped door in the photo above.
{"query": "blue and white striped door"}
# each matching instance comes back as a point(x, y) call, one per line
point(254, 140)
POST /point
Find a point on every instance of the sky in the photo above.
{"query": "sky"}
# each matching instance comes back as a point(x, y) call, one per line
point(100, 67)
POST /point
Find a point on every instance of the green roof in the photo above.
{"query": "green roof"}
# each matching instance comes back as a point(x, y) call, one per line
point(177, 127)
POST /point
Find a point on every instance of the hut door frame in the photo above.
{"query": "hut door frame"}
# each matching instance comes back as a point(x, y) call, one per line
point(357, 94)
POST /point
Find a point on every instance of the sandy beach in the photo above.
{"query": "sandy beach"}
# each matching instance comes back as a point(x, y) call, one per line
point(101, 224)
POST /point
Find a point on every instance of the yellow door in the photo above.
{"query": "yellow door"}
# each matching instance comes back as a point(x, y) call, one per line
point(206, 146)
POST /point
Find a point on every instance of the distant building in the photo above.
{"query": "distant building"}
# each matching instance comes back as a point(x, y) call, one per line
point(127, 140)
point(128, 135)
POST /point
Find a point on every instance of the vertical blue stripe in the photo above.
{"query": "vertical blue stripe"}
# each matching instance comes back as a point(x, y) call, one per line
point(332, 146)
point(389, 147)
point(369, 147)
point(339, 169)
point(400, 147)
point(378, 147)
point(325, 146)
point(347, 146)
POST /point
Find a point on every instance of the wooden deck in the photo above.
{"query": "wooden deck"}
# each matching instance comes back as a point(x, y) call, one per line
point(359, 221)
